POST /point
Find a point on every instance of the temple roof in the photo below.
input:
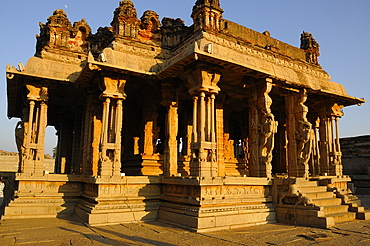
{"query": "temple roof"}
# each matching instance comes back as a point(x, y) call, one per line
point(145, 48)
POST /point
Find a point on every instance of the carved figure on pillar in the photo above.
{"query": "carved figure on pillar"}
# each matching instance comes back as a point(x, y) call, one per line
point(304, 139)
point(303, 134)
point(268, 130)
point(262, 130)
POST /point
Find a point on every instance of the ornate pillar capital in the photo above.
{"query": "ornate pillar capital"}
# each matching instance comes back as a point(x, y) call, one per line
point(203, 78)
point(113, 87)
point(37, 93)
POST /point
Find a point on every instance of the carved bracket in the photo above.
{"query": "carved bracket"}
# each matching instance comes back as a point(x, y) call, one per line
point(114, 88)
point(37, 93)
point(203, 79)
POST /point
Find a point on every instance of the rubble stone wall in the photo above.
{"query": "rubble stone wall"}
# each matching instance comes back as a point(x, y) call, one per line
point(10, 164)
point(356, 155)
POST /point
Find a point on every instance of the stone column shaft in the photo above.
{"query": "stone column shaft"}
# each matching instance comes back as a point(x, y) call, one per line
point(195, 116)
point(213, 119)
point(324, 145)
point(202, 116)
point(171, 151)
point(110, 134)
point(32, 161)
point(291, 137)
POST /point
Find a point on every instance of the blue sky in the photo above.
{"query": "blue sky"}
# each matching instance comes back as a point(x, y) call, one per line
point(341, 27)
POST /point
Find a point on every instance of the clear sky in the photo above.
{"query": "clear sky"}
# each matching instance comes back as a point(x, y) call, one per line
point(341, 27)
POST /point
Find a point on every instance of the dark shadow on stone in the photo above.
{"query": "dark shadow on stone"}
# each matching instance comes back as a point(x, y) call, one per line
point(10, 186)
point(71, 194)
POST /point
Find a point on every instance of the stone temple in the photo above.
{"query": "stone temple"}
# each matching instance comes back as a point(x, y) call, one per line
point(206, 127)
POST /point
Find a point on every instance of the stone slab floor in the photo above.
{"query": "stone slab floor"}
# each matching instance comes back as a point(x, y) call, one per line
point(70, 231)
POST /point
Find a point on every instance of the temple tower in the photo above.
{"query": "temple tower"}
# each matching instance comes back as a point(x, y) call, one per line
point(125, 22)
point(207, 14)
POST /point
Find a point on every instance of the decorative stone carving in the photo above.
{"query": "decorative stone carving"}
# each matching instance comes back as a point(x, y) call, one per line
point(37, 93)
point(214, 4)
point(268, 129)
point(303, 200)
point(150, 26)
point(262, 130)
point(125, 22)
point(203, 79)
point(304, 139)
point(289, 193)
point(114, 88)
point(59, 32)
point(173, 31)
point(207, 14)
point(79, 35)
point(309, 44)
point(304, 132)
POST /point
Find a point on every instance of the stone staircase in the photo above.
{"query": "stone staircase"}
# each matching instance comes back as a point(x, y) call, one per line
point(321, 208)
point(326, 201)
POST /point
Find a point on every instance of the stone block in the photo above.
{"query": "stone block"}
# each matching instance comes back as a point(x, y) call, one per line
point(365, 215)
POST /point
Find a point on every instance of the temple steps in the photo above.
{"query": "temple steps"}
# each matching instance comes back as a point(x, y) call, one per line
point(311, 189)
point(342, 217)
point(320, 195)
point(335, 209)
point(327, 202)
point(322, 208)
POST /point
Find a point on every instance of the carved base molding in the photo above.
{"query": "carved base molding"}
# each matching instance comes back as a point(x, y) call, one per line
point(114, 212)
point(217, 217)
point(209, 204)
point(149, 165)
point(122, 200)
point(44, 196)
point(236, 168)
point(195, 203)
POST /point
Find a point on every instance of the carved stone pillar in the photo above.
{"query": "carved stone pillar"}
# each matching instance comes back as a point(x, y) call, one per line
point(32, 159)
point(299, 135)
point(110, 136)
point(64, 151)
point(316, 157)
point(219, 137)
point(262, 130)
point(330, 151)
point(92, 127)
point(195, 119)
point(171, 146)
point(324, 141)
point(203, 82)
point(76, 167)
point(148, 138)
